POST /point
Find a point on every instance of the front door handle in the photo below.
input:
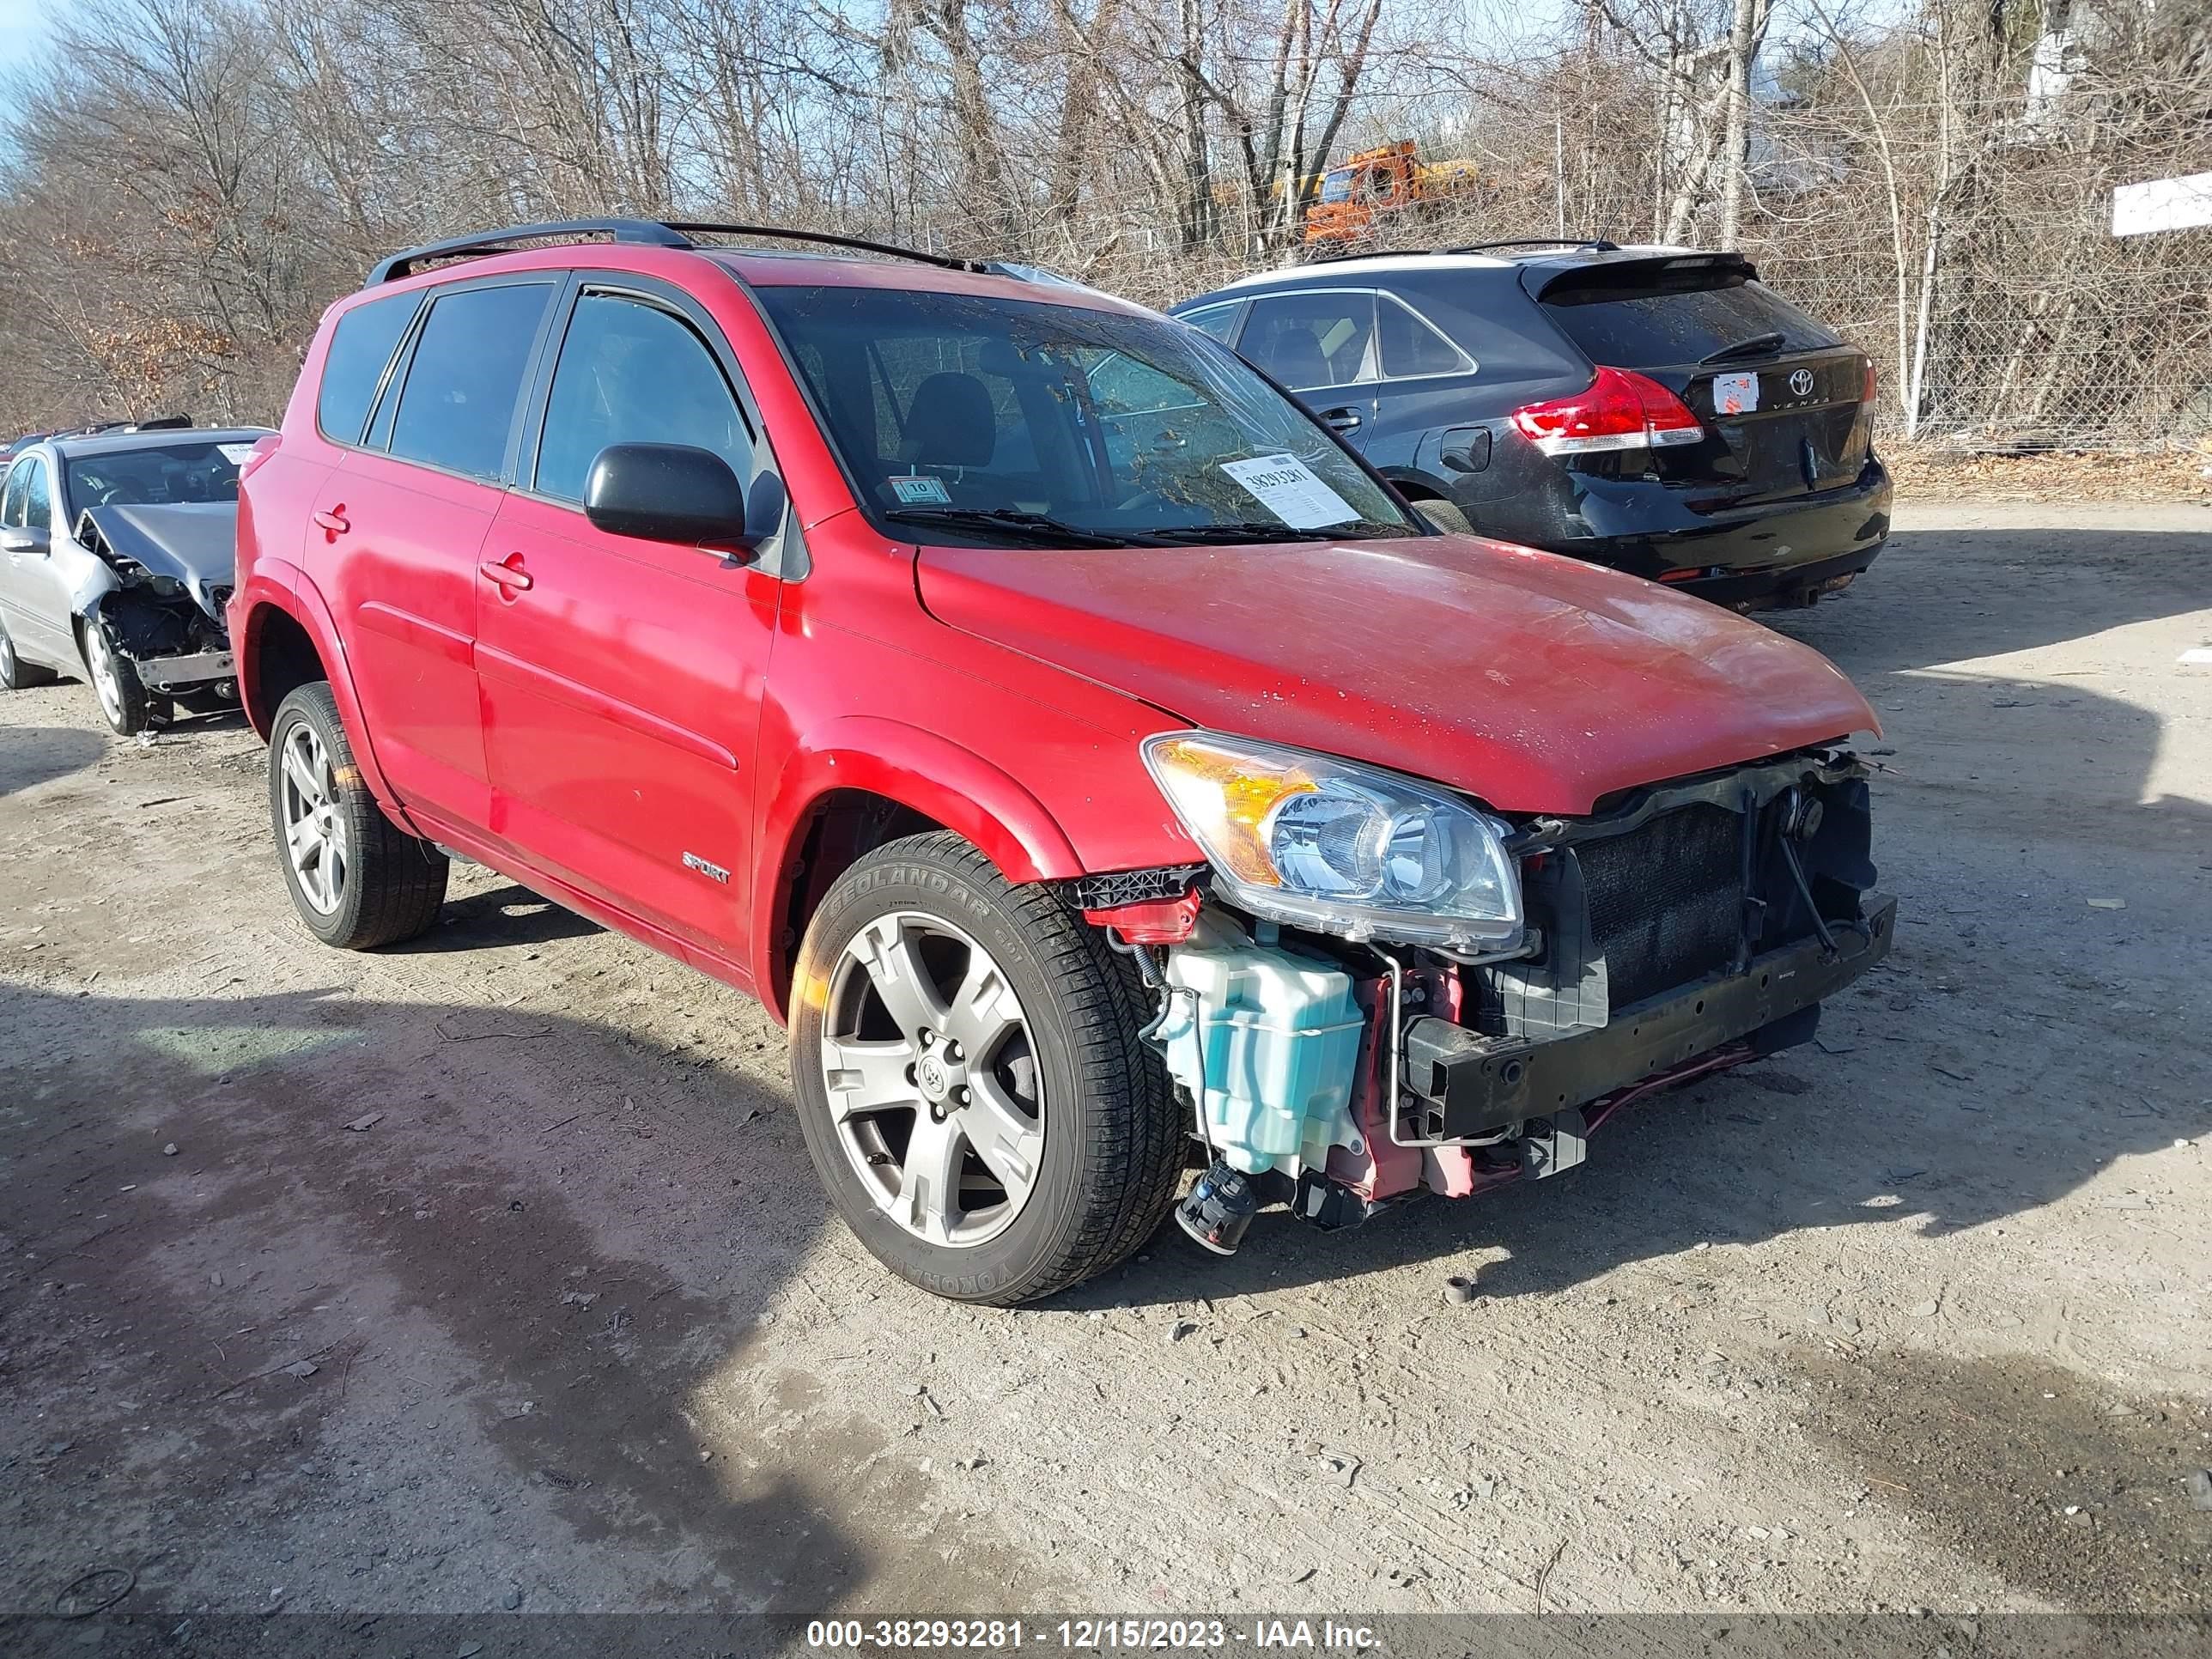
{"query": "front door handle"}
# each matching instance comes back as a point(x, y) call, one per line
point(334, 523)
point(507, 575)
point(1346, 419)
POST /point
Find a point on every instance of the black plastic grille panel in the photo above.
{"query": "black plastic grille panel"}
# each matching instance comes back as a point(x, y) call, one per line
point(1666, 901)
point(1133, 886)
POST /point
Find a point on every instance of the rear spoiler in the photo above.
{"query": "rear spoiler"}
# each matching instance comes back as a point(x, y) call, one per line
point(1637, 270)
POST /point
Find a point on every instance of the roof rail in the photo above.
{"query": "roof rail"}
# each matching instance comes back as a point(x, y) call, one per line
point(1342, 254)
point(645, 233)
point(889, 250)
point(1594, 244)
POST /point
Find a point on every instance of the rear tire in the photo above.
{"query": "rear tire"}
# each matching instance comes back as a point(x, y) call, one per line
point(1445, 517)
point(15, 674)
point(1102, 1172)
point(358, 880)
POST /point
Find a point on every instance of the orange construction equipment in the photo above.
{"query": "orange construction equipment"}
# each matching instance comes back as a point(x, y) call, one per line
point(1383, 181)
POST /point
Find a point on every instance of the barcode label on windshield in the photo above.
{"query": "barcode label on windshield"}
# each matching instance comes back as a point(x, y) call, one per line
point(1288, 487)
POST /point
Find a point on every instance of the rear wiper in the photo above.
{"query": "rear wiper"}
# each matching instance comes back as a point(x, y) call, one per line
point(1039, 528)
point(1755, 346)
point(1252, 530)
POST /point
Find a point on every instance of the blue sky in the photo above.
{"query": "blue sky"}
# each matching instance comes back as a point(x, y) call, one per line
point(22, 27)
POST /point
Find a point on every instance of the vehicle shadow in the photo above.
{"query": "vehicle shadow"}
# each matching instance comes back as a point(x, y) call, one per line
point(1940, 596)
point(39, 753)
point(339, 1188)
point(504, 915)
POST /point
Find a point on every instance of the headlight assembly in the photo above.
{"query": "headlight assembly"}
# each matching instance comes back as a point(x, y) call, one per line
point(1338, 847)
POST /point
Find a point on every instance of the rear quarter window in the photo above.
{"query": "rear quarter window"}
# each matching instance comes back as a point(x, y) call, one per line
point(360, 349)
point(1639, 317)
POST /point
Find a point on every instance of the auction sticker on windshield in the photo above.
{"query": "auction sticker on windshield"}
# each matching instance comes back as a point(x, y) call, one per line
point(923, 491)
point(1288, 487)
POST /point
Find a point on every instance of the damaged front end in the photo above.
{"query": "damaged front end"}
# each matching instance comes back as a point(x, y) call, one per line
point(1339, 1055)
point(172, 568)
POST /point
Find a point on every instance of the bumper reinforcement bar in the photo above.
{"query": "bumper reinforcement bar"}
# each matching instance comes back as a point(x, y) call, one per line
point(1475, 1086)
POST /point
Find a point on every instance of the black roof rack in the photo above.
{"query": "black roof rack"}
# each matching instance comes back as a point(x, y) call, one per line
point(646, 233)
point(889, 250)
point(1594, 244)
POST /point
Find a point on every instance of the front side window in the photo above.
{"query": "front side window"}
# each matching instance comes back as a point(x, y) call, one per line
point(360, 346)
point(465, 375)
point(38, 494)
point(1311, 340)
point(632, 373)
point(158, 474)
point(11, 500)
point(967, 417)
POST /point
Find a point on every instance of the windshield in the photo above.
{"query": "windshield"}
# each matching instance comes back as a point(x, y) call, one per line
point(156, 475)
point(1337, 186)
point(964, 418)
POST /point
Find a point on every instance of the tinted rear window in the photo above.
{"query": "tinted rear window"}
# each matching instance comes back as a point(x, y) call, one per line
point(360, 346)
point(464, 377)
point(1641, 317)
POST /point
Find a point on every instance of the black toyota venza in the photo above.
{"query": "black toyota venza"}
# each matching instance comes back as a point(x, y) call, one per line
point(1657, 410)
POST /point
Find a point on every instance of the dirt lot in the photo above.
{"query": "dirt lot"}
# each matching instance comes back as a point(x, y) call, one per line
point(489, 1273)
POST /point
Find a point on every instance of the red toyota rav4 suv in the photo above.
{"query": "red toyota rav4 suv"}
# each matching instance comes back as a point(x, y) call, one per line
point(1095, 762)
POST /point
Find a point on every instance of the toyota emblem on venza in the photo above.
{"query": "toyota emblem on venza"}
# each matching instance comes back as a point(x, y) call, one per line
point(1801, 383)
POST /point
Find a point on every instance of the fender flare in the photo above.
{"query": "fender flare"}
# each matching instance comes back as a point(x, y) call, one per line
point(918, 769)
point(277, 585)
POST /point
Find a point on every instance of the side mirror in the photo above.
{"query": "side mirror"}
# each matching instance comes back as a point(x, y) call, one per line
point(677, 492)
point(20, 538)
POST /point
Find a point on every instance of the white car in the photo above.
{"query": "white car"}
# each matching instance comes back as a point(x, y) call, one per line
point(117, 550)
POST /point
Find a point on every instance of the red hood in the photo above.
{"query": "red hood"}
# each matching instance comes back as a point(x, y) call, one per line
point(1537, 682)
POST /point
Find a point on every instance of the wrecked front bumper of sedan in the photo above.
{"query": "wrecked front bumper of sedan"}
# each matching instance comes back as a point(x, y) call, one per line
point(1688, 928)
point(172, 569)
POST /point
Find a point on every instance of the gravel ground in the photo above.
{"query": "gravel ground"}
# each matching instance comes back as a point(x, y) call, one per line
point(489, 1273)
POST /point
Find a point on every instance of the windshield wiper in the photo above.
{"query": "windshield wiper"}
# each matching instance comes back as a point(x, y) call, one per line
point(1040, 529)
point(1252, 530)
point(1755, 346)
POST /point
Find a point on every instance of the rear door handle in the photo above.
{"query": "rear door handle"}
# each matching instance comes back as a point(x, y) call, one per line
point(1346, 419)
point(507, 575)
point(334, 522)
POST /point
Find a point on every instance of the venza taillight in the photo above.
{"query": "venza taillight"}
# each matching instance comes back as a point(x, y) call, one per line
point(1620, 411)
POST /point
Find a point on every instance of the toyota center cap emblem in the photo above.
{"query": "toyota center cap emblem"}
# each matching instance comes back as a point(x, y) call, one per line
point(1801, 383)
point(931, 1075)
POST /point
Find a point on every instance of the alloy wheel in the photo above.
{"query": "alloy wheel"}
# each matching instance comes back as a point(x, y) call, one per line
point(99, 657)
point(314, 830)
point(933, 1080)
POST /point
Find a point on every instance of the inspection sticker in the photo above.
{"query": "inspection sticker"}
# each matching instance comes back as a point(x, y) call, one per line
point(1735, 394)
point(921, 491)
point(1289, 488)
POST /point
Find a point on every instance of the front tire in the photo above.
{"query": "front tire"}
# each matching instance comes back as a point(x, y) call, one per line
point(124, 699)
point(971, 1082)
point(358, 880)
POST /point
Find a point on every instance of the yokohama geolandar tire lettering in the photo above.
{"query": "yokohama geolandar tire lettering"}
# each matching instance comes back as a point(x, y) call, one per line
point(1098, 1168)
point(358, 880)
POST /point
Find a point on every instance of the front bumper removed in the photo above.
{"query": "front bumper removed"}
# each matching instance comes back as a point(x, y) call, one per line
point(1476, 1085)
